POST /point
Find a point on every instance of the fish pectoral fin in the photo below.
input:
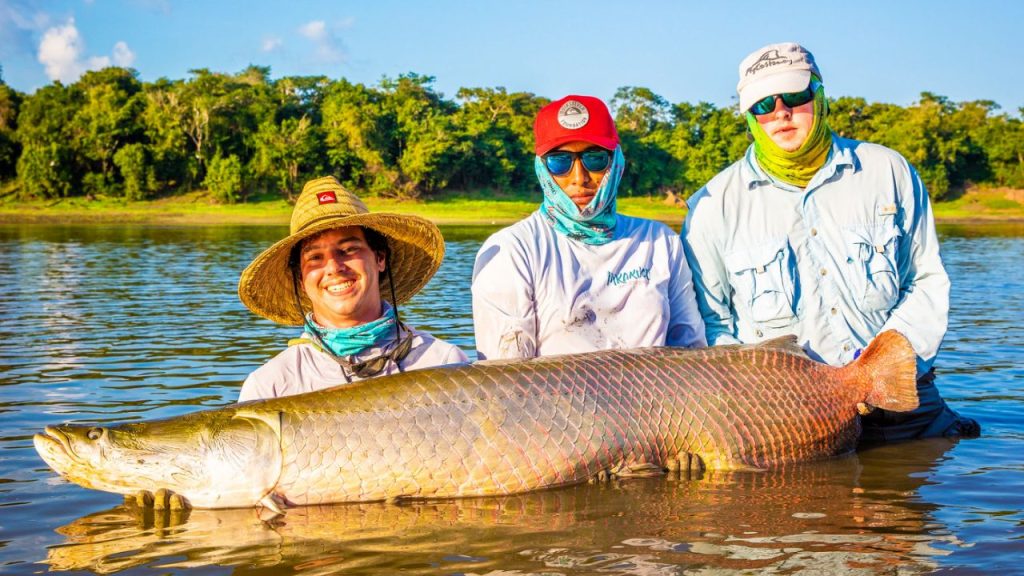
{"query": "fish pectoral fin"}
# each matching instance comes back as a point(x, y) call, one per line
point(272, 503)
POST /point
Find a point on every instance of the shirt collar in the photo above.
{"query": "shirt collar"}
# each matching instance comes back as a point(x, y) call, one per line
point(842, 155)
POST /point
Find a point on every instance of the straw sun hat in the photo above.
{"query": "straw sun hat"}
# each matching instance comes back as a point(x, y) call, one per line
point(417, 248)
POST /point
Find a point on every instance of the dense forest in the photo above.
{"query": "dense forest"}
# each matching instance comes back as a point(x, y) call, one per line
point(245, 134)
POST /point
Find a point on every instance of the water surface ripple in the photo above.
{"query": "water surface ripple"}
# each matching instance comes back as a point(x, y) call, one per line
point(110, 324)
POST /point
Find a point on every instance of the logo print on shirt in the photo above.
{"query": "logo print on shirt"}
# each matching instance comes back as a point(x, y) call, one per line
point(767, 60)
point(326, 197)
point(630, 276)
point(573, 115)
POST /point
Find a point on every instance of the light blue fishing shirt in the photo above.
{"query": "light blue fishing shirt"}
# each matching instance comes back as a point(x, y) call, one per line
point(852, 255)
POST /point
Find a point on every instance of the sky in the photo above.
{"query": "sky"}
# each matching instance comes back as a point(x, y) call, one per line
point(685, 51)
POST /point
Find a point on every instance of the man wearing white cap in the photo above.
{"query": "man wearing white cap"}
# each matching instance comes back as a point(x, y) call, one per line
point(827, 238)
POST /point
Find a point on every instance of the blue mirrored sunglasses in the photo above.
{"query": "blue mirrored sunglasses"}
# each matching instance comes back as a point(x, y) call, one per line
point(766, 105)
point(560, 162)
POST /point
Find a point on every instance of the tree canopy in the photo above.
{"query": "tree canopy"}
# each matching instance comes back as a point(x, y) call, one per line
point(246, 133)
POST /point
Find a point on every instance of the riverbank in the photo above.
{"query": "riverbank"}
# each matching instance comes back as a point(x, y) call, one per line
point(197, 208)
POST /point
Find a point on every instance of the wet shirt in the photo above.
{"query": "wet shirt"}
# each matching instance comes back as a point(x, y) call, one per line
point(304, 368)
point(538, 293)
point(852, 255)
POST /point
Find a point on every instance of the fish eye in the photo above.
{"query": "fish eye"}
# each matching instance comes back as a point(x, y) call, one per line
point(94, 433)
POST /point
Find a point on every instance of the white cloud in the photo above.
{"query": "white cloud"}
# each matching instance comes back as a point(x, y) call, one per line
point(315, 30)
point(271, 43)
point(61, 53)
point(328, 47)
point(123, 55)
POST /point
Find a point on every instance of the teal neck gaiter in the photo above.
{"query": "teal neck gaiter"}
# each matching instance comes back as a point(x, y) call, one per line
point(595, 223)
point(351, 341)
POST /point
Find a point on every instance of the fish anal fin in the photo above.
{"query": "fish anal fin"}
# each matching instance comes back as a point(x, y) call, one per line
point(718, 462)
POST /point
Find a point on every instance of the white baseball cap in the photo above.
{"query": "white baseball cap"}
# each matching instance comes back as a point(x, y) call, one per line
point(774, 69)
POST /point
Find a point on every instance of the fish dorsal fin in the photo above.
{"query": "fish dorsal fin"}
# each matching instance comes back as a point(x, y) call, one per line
point(787, 343)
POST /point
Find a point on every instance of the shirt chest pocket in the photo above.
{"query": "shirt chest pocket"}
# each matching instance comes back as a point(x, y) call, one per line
point(871, 252)
point(762, 278)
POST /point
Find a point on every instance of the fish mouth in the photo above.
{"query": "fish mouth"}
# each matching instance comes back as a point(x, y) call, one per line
point(53, 445)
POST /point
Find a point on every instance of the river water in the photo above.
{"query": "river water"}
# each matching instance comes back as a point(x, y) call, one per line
point(108, 324)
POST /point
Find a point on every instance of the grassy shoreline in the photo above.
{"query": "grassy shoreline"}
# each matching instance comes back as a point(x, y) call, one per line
point(978, 205)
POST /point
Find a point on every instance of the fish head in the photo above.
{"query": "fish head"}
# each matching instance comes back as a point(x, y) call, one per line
point(215, 459)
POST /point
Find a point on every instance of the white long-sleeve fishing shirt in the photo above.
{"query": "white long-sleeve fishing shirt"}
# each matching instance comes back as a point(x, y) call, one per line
point(538, 293)
point(305, 368)
point(853, 254)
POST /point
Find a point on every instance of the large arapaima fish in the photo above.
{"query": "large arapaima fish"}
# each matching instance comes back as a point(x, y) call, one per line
point(498, 427)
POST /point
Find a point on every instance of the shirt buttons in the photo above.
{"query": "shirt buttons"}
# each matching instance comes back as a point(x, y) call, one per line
point(834, 311)
point(814, 231)
point(823, 272)
point(846, 347)
point(759, 333)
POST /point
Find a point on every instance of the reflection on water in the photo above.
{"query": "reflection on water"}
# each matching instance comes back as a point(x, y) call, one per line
point(822, 517)
point(128, 323)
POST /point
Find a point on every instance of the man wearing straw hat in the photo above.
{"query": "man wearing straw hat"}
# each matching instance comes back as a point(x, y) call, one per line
point(340, 274)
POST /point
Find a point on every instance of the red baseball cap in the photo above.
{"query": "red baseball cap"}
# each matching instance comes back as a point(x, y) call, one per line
point(574, 118)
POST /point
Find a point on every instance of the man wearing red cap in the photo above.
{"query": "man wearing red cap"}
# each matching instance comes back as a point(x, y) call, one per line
point(575, 276)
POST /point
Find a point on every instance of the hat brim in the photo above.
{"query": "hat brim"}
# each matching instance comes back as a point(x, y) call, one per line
point(266, 286)
point(768, 85)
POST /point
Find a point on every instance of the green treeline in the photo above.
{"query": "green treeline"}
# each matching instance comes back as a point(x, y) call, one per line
point(244, 134)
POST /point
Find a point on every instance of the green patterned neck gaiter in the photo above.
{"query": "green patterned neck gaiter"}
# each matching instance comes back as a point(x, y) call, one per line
point(799, 166)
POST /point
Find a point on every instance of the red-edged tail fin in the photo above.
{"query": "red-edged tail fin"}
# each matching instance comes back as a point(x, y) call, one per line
point(889, 368)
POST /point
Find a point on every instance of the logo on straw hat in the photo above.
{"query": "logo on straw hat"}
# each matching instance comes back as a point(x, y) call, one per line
point(328, 197)
point(767, 60)
point(573, 115)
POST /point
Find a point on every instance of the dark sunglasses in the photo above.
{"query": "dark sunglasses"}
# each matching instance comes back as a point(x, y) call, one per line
point(766, 105)
point(560, 162)
point(373, 366)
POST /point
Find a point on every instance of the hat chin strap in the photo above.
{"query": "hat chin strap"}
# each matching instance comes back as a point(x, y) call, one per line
point(394, 301)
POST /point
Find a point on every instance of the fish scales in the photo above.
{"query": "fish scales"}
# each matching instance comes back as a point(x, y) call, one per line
point(503, 427)
point(510, 431)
